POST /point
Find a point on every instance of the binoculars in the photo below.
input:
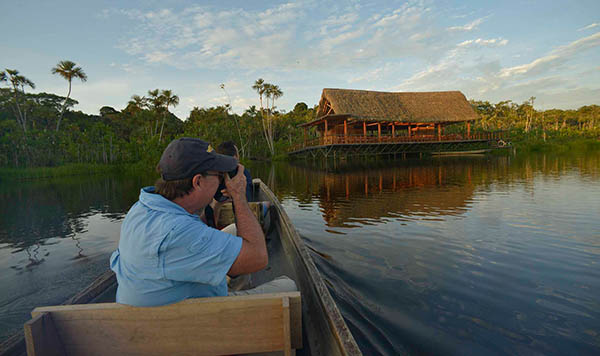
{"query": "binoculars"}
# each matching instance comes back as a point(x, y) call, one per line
point(218, 195)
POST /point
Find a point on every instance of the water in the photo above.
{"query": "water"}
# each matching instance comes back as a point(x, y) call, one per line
point(456, 255)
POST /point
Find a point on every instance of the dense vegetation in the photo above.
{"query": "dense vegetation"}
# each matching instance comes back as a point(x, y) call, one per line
point(547, 130)
point(42, 130)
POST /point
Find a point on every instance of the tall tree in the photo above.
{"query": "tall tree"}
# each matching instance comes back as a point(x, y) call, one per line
point(272, 92)
point(155, 103)
point(529, 112)
point(18, 83)
point(241, 142)
point(262, 89)
point(168, 99)
point(68, 70)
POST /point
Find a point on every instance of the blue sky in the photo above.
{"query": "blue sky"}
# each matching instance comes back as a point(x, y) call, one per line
point(489, 50)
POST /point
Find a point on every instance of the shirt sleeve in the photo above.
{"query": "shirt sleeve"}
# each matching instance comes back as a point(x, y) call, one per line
point(198, 253)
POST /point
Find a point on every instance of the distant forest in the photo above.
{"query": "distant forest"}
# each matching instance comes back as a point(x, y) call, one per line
point(42, 130)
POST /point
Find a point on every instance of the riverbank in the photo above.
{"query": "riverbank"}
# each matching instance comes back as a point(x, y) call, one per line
point(71, 170)
point(555, 141)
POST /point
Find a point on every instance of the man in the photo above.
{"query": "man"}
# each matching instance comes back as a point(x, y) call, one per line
point(167, 253)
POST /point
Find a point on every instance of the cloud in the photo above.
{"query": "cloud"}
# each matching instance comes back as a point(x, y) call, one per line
point(470, 26)
point(494, 42)
point(548, 76)
point(590, 26)
point(554, 58)
point(281, 37)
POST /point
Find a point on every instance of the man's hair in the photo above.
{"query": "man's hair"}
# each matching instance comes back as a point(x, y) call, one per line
point(172, 189)
point(227, 148)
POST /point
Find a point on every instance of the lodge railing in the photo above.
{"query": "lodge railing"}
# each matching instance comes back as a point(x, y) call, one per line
point(357, 139)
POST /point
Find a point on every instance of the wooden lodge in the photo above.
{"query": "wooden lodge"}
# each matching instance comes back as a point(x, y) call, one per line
point(394, 122)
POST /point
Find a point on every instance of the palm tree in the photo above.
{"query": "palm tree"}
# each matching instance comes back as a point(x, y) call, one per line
point(276, 93)
point(68, 70)
point(272, 92)
point(155, 103)
point(138, 102)
point(259, 86)
point(262, 89)
point(18, 83)
point(168, 99)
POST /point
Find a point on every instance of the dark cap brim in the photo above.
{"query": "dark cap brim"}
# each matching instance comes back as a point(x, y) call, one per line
point(223, 163)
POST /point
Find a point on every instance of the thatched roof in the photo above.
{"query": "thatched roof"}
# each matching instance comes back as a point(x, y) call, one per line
point(413, 107)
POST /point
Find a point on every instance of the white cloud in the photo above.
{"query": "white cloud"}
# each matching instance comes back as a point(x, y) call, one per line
point(470, 26)
point(545, 77)
point(555, 58)
point(590, 26)
point(280, 36)
point(494, 42)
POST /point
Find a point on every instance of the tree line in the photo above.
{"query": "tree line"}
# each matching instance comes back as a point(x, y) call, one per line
point(42, 129)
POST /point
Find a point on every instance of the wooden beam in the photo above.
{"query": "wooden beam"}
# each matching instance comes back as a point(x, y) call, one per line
point(365, 129)
point(439, 127)
point(409, 128)
point(379, 132)
point(393, 130)
point(41, 338)
point(219, 325)
point(468, 130)
point(304, 136)
point(345, 128)
point(287, 338)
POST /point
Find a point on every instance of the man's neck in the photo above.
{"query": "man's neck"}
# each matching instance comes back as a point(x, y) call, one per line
point(188, 204)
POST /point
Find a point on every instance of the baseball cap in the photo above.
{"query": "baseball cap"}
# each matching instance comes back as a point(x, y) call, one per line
point(187, 156)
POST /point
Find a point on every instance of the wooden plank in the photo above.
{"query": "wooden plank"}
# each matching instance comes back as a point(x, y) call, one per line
point(221, 325)
point(324, 325)
point(287, 342)
point(41, 337)
point(93, 290)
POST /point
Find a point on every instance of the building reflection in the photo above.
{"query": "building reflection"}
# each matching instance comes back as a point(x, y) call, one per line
point(349, 199)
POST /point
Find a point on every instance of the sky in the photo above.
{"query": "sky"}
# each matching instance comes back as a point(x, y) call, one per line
point(489, 50)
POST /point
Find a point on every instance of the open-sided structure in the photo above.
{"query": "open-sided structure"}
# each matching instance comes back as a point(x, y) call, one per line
point(348, 116)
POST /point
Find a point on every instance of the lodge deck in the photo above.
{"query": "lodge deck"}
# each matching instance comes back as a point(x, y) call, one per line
point(357, 145)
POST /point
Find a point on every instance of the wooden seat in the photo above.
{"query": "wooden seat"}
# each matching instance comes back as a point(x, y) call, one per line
point(203, 326)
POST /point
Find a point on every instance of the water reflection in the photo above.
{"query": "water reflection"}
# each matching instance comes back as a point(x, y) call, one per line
point(458, 254)
point(55, 238)
point(453, 255)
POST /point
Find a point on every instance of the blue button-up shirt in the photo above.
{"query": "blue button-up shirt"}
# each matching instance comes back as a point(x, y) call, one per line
point(166, 254)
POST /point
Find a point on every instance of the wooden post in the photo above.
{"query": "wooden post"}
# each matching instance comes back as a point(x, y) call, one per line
point(379, 131)
point(365, 130)
point(439, 132)
point(345, 130)
point(468, 130)
point(347, 188)
point(408, 130)
point(325, 133)
point(393, 130)
point(304, 136)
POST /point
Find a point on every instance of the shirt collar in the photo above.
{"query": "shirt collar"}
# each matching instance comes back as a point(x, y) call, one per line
point(154, 201)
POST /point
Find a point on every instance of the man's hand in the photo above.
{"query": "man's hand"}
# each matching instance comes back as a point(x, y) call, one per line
point(236, 186)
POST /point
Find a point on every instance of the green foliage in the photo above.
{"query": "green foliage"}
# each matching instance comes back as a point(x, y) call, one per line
point(136, 136)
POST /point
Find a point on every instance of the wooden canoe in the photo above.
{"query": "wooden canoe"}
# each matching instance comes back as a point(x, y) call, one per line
point(324, 330)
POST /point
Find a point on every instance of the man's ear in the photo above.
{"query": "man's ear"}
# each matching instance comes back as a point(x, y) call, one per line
point(197, 180)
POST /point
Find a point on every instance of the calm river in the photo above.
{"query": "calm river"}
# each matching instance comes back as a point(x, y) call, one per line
point(456, 255)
